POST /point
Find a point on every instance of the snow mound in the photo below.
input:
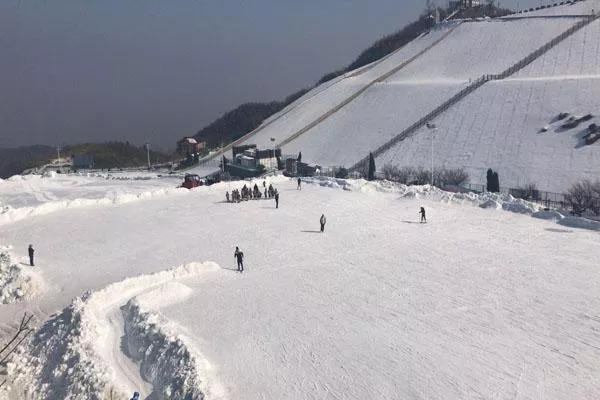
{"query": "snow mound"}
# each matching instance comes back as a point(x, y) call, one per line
point(489, 203)
point(165, 359)
point(17, 283)
point(578, 222)
point(9, 214)
point(548, 214)
point(69, 356)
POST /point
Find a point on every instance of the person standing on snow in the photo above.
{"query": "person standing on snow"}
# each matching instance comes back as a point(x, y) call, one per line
point(299, 184)
point(31, 251)
point(240, 259)
point(276, 199)
point(422, 212)
point(323, 220)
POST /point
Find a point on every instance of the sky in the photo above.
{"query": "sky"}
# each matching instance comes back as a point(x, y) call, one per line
point(155, 71)
point(482, 301)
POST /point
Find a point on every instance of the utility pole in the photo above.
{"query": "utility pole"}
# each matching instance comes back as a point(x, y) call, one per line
point(432, 129)
point(58, 152)
point(148, 154)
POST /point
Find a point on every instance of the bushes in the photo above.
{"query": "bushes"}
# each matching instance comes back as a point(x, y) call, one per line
point(584, 196)
point(341, 173)
point(421, 176)
point(528, 192)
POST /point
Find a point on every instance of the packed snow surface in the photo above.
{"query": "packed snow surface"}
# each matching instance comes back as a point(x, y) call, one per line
point(475, 303)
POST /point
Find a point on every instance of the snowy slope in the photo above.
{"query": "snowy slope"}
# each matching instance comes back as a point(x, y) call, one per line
point(577, 8)
point(485, 47)
point(477, 303)
point(498, 126)
point(578, 55)
point(372, 119)
point(318, 102)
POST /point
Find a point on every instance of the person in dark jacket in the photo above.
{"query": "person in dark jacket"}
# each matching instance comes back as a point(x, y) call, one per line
point(422, 212)
point(240, 259)
point(276, 199)
point(322, 221)
point(299, 184)
point(31, 251)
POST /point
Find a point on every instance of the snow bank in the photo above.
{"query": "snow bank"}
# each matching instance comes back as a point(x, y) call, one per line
point(548, 214)
point(69, 356)
point(9, 214)
point(578, 222)
point(17, 283)
point(165, 358)
point(495, 201)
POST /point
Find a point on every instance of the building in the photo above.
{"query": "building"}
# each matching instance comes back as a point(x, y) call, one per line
point(454, 4)
point(189, 145)
point(248, 161)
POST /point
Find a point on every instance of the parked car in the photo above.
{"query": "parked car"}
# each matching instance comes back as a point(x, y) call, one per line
point(191, 181)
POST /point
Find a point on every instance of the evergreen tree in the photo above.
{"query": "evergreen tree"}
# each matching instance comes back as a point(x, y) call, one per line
point(496, 181)
point(371, 174)
point(489, 185)
point(299, 156)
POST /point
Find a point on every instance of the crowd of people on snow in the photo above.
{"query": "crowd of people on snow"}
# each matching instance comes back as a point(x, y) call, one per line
point(248, 193)
point(252, 193)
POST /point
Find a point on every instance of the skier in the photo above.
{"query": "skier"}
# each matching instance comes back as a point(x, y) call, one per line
point(136, 396)
point(227, 196)
point(276, 199)
point(299, 183)
point(422, 212)
point(240, 259)
point(323, 220)
point(31, 251)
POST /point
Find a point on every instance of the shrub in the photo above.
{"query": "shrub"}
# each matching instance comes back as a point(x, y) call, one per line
point(528, 192)
point(457, 176)
point(583, 196)
point(371, 172)
point(341, 173)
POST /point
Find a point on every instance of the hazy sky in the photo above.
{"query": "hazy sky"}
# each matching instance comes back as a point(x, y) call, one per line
point(156, 70)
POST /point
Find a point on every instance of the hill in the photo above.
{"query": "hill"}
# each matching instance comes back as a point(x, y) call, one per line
point(14, 161)
point(247, 117)
point(472, 94)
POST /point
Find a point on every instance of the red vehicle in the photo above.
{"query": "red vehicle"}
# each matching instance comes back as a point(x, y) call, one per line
point(191, 181)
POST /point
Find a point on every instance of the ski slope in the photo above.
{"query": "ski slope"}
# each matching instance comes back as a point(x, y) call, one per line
point(477, 303)
point(318, 102)
point(499, 127)
point(485, 47)
point(578, 55)
point(468, 50)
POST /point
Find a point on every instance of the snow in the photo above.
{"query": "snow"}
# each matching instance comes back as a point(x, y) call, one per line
point(476, 303)
point(505, 115)
point(484, 47)
point(578, 8)
point(324, 98)
point(18, 282)
point(577, 55)
point(499, 126)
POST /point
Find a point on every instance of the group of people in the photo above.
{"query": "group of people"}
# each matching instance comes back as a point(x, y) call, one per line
point(247, 193)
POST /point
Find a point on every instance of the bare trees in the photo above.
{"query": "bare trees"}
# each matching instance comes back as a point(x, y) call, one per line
point(22, 332)
point(584, 196)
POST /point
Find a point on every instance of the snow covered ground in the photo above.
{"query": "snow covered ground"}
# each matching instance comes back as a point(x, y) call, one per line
point(482, 301)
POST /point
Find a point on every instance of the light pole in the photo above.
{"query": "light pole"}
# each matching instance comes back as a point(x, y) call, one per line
point(148, 154)
point(432, 128)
